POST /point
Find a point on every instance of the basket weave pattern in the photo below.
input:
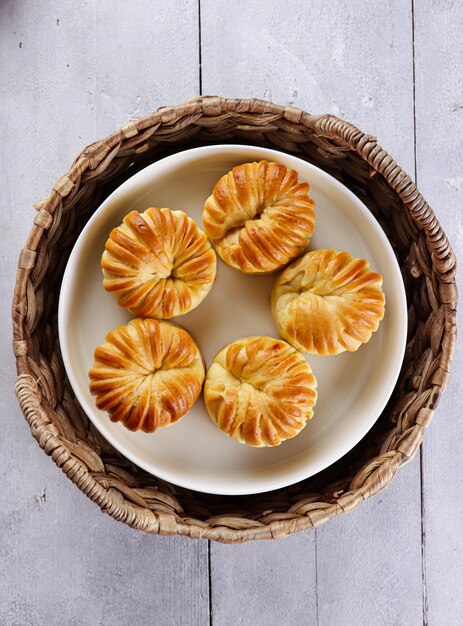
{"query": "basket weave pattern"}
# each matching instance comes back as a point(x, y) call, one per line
point(131, 495)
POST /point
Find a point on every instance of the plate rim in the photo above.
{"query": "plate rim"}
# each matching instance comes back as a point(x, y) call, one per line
point(197, 484)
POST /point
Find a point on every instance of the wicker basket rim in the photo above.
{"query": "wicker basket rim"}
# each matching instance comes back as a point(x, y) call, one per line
point(93, 160)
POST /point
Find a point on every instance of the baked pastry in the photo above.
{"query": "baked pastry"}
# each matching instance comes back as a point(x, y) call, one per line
point(158, 263)
point(147, 374)
point(260, 391)
point(259, 217)
point(327, 302)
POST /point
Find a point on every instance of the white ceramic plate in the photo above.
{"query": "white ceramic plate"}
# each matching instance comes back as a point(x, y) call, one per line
point(353, 388)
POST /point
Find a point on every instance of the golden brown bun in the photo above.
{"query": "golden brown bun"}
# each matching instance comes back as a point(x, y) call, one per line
point(259, 217)
point(158, 263)
point(260, 391)
point(147, 374)
point(327, 302)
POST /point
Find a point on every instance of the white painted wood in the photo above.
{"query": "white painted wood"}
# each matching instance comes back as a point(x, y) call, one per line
point(71, 73)
point(269, 583)
point(353, 59)
point(439, 132)
point(70, 82)
point(369, 565)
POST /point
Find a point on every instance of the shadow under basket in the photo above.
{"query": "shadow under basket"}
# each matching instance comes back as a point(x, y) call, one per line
point(126, 492)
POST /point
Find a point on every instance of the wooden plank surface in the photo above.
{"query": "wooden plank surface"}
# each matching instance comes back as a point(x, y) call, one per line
point(74, 72)
point(71, 73)
point(325, 57)
point(439, 133)
point(264, 583)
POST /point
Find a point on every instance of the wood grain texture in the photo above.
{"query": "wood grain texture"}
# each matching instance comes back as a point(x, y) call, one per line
point(267, 583)
point(327, 57)
point(369, 566)
point(63, 563)
point(439, 132)
point(72, 73)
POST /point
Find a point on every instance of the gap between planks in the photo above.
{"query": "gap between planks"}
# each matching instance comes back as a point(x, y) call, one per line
point(422, 509)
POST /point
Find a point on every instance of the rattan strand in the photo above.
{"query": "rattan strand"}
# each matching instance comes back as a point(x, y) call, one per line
point(124, 491)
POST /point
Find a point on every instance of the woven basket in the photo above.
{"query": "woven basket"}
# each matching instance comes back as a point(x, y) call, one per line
point(120, 488)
